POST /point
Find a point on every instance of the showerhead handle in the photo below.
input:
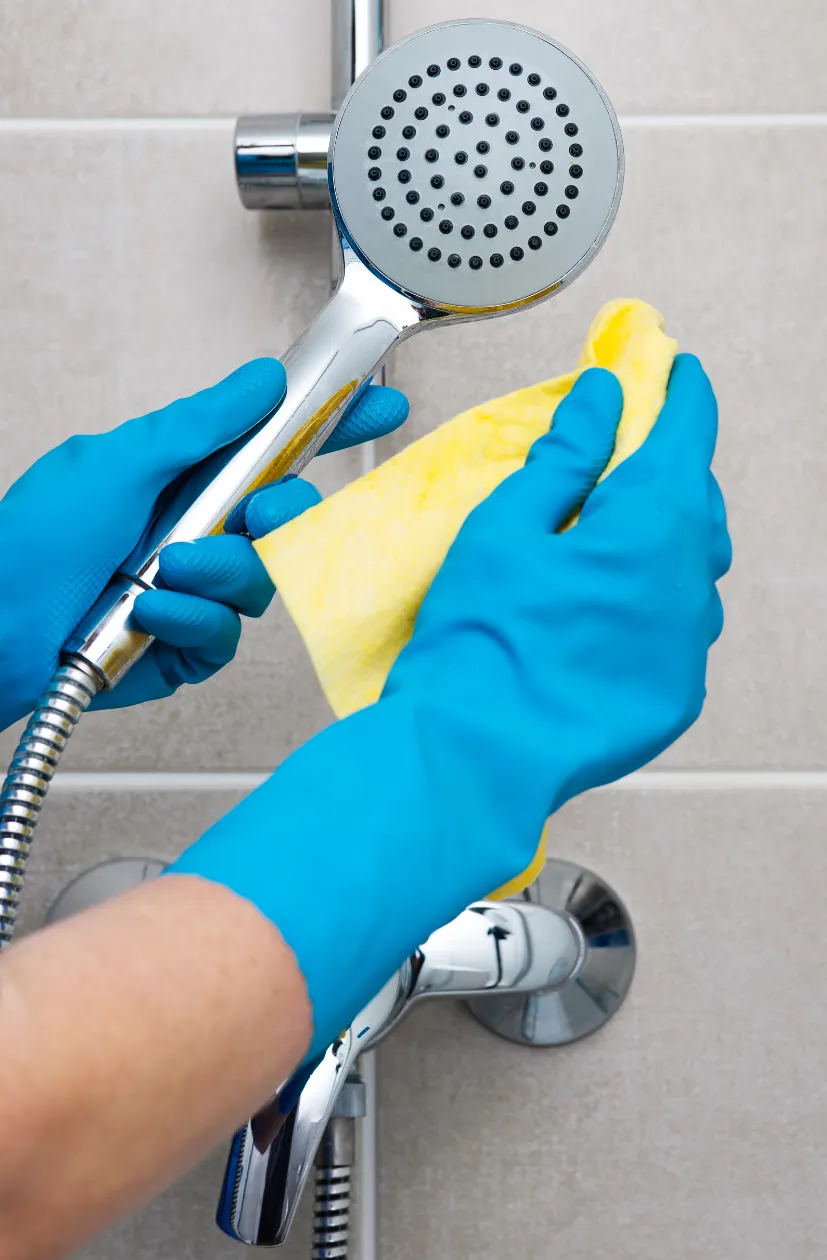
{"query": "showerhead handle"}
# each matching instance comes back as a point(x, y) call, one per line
point(326, 368)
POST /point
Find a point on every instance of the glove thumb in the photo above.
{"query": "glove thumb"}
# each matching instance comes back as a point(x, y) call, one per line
point(565, 464)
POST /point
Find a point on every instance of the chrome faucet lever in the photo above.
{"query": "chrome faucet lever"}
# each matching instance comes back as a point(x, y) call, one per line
point(546, 969)
point(496, 945)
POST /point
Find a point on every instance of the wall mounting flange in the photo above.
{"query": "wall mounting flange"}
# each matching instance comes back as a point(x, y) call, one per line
point(599, 980)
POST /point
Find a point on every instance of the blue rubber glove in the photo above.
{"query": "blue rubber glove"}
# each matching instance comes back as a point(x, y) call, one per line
point(542, 664)
point(72, 519)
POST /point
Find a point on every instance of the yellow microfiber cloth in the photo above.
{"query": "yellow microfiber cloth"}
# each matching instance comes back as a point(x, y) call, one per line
point(354, 570)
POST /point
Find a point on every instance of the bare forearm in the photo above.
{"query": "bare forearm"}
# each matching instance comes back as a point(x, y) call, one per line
point(135, 1037)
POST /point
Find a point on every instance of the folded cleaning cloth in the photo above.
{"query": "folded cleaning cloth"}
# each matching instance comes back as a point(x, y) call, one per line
point(354, 570)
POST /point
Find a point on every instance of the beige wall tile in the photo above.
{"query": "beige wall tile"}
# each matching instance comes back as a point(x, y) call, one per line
point(186, 58)
point(684, 57)
point(132, 274)
point(163, 57)
point(692, 1125)
point(712, 231)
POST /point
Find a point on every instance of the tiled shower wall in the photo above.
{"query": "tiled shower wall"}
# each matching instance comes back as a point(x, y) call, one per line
point(694, 1124)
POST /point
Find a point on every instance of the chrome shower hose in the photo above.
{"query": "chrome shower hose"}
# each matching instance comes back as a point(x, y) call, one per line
point(68, 696)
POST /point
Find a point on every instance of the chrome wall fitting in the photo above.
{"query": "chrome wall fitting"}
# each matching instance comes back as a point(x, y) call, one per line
point(100, 883)
point(281, 159)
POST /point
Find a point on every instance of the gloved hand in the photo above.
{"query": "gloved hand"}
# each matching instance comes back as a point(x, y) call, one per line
point(74, 517)
point(542, 664)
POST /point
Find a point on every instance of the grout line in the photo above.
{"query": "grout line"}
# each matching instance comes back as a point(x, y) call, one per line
point(156, 781)
point(116, 124)
point(217, 124)
point(643, 781)
point(721, 780)
point(723, 120)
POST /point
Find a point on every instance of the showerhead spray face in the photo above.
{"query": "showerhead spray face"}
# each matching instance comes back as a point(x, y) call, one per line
point(474, 169)
point(476, 166)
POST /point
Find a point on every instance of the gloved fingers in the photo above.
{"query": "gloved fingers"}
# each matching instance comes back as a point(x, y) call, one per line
point(721, 542)
point(206, 630)
point(674, 460)
point(563, 466)
point(168, 441)
point(682, 441)
point(223, 568)
point(272, 506)
point(195, 638)
point(375, 413)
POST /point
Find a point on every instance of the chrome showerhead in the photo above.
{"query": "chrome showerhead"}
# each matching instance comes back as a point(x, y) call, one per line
point(476, 166)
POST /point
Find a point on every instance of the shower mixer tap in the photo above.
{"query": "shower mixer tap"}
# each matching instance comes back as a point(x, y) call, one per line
point(543, 970)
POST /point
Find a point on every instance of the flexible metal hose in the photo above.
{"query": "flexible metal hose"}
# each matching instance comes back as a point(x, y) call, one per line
point(68, 696)
point(331, 1208)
